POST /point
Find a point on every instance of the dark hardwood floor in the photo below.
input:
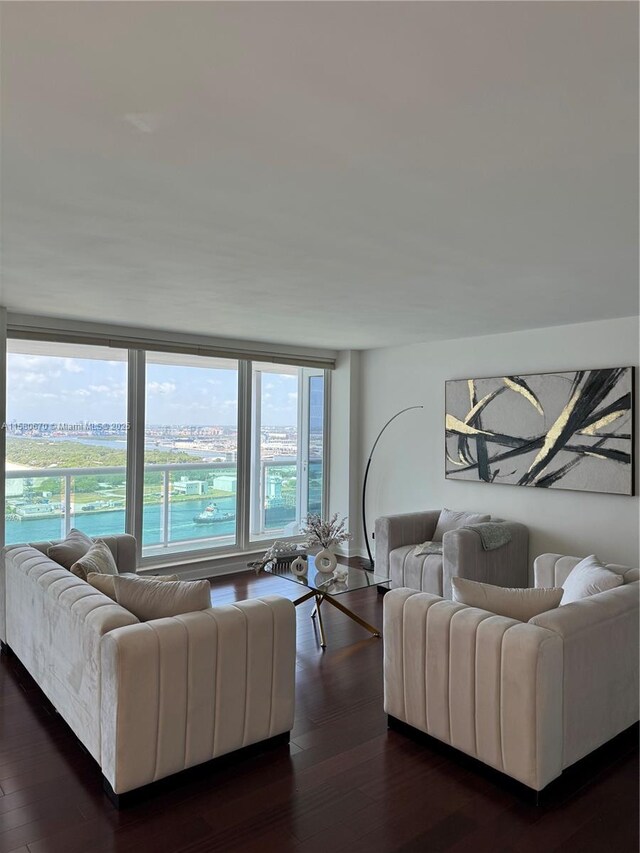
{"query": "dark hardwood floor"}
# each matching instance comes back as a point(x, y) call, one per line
point(344, 784)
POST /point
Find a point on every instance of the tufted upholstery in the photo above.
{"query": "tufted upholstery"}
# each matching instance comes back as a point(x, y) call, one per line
point(528, 699)
point(150, 699)
point(462, 554)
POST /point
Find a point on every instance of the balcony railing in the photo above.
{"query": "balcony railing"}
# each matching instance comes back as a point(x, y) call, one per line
point(172, 500)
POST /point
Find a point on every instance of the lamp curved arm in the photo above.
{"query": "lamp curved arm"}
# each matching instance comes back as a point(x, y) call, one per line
point(366, 477)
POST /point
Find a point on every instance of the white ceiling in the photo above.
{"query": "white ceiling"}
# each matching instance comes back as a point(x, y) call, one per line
point(347, 175)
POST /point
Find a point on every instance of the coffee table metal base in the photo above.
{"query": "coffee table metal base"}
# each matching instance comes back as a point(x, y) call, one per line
point(325, 596)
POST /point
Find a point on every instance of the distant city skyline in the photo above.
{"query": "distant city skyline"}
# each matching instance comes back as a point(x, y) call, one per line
point(53, 389)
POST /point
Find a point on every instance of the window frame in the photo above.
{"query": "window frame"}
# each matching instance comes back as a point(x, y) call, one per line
point(136, 406)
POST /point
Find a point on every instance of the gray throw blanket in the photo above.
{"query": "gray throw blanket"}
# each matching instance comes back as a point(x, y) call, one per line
point(427, 548)
point(493, 534)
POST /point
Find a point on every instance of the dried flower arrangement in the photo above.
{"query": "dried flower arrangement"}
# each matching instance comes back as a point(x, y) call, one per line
point(324, 533)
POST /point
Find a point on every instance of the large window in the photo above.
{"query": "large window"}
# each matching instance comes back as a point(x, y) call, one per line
point(66, 440)
point(191, 454)
point(287, 448)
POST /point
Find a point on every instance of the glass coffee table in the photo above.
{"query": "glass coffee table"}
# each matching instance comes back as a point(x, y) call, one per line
point(325, 588)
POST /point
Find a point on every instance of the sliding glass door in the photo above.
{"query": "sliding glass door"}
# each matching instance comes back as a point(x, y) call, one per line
point(190, 454)
point(287, 449)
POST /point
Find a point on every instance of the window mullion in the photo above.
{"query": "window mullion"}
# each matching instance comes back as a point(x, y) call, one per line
point(243, 455)
point(135, 447)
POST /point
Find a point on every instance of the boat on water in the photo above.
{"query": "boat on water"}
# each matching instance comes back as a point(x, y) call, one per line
point(213, 515)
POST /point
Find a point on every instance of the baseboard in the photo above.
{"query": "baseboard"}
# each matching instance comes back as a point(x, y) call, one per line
point(192, 774)
point(572, 780)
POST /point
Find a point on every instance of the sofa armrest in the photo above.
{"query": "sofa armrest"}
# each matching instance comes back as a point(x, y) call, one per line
point(393, 531)
point(463, 556)
point(178, 692)
point(485, 684)
point(600, 637)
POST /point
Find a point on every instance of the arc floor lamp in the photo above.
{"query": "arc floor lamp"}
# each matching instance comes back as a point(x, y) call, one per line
point(366, 476)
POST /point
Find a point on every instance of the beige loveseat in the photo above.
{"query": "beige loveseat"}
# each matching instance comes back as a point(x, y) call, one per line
point(396, 537)
point(148, 699)
point(529, 699)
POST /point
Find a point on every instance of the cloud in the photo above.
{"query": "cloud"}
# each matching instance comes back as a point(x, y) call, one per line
point(72, 366)
point(99, 389)
point(33, 378)
point(161, 387)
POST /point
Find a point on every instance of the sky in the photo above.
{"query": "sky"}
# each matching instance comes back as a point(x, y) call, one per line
point(50, 389)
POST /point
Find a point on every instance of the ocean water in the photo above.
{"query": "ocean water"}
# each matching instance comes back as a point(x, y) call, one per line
point(182, 527)
point(181, 524)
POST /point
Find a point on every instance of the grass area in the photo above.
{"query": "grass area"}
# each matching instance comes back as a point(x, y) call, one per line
point(40, 453)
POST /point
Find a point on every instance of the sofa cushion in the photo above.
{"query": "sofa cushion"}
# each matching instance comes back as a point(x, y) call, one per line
point(516, 603)
point(423, 572)
point(106, 585)
point(97, 560)
point(148, 598)
point(588, 578)
point(72, 548)
point(451, 520)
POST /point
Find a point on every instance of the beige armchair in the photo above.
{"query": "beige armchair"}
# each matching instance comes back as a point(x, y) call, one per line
point(462, 554)
point(526, 698)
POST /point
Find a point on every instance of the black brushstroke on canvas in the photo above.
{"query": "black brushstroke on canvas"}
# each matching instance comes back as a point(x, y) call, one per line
point(588, 391)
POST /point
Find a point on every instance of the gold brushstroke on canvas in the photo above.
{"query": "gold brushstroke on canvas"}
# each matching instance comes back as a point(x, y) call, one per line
point(479, 406)
point(453, 461)
point(593, 428)
point(454, 424)
point(519, 389)
point(554, 433)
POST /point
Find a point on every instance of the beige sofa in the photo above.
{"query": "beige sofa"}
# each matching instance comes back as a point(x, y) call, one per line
point(462, 554)
point(528, 699)
point(149, 699)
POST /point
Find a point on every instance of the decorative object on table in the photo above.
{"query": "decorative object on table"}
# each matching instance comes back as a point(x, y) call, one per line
point(341, 573)
point(571, 430)
point(326, 561)
point(299, 566)
point(281, 554)
point(327, 534)
point(366, 477)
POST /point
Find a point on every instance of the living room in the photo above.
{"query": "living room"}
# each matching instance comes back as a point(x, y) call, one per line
point(286, 286)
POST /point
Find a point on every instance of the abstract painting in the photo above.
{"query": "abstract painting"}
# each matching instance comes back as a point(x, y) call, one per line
point(572, 430)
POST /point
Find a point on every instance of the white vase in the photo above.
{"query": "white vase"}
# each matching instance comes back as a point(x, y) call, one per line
point(326, 561)
point(299, 566)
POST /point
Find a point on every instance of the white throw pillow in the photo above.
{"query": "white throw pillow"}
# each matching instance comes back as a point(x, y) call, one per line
point(98, 560)
point(153, 599)
point(107, 586)
point(588, 578)
point(450, 520)
point(520, 604)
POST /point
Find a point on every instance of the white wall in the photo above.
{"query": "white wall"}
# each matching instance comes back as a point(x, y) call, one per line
point(408, 469)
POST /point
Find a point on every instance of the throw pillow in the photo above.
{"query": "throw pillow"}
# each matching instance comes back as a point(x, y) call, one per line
point(98, 559)
point(450, 520)
point(520, 604)
point(70, 549)
point(152, 599)
point(106, 583)
point(588, 578)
